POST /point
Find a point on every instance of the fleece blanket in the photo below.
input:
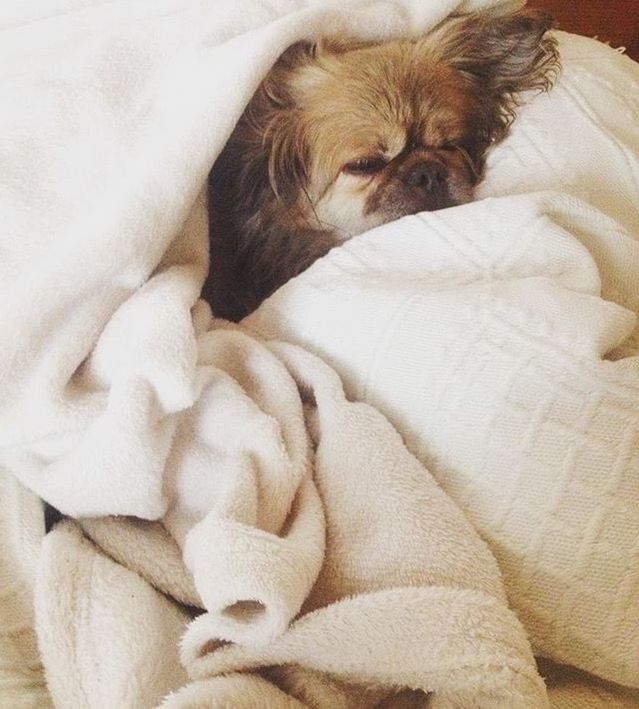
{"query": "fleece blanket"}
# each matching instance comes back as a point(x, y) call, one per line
point(501, 339)
point(276, 544)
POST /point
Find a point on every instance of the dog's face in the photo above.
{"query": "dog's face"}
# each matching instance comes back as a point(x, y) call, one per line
point(350, 136)
point(343, 136)
point(388, 132)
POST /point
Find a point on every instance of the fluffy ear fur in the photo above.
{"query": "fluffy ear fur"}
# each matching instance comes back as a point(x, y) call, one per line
point(254, 188)
point(273, 115)
point(266, 153)
point(506, 54)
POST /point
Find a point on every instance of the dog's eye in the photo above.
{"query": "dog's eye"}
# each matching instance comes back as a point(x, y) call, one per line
point(364, 166)
point(449, 145)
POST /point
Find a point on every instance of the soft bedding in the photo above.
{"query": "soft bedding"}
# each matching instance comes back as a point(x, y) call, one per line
point(501, 339)
point(246, 534)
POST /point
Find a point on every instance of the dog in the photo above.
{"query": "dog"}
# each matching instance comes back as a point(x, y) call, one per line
point(343, 136)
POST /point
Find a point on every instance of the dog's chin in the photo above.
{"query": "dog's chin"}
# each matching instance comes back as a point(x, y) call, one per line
point(396, 207)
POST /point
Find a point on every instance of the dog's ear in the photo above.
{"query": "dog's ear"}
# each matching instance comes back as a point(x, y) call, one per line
point(274, 115)
point(287, 152)
point(510, 53)
point(506, 54)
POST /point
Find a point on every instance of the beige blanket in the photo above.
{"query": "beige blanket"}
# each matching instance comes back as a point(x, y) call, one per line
point(328, 567)
point(371, 583)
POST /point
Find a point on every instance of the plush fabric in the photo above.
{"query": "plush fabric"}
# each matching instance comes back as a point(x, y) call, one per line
point(374, 578)
point(499, 339)
point(22, 682)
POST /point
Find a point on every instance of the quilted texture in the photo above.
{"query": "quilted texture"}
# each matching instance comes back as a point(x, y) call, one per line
point(485, 347)
point(501, 340)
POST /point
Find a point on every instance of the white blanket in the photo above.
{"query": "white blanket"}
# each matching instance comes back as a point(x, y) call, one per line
point(499, 338)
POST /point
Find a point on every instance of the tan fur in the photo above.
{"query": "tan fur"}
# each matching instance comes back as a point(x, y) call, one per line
point(422, 114)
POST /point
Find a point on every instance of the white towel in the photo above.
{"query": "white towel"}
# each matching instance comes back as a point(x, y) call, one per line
point(115, 397)
point(402, 594)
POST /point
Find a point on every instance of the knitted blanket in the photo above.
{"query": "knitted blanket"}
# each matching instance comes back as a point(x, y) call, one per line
point(246, 534)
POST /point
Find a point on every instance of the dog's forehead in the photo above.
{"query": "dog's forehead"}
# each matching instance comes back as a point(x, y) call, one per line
point(384, 97)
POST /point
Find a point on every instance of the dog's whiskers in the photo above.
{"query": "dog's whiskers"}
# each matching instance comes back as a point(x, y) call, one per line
point(320, 222)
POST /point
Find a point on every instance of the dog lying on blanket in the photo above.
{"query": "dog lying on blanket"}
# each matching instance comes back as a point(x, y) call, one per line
point(343, 136)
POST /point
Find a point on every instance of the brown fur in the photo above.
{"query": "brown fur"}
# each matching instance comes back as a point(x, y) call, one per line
point(421, 114)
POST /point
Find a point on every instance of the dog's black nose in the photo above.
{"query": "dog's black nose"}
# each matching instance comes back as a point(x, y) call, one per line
point(428, 175)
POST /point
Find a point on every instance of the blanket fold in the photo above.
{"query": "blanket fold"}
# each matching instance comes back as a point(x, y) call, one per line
point(521, 419)
point(233, 489)
point(256, 519)
point(407, 595)
point(85, 620)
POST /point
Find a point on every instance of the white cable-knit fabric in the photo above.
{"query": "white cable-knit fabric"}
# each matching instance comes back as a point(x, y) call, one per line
point(499, 338)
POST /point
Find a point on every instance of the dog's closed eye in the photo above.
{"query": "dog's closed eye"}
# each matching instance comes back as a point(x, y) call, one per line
point(365, 166)
point(345, 135)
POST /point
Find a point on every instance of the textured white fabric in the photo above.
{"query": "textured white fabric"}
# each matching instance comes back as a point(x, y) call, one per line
point(115, 400)
point(99, 650)
point(407, 594)
point(112, 114)
point(501, 339)
point(21, 529)
point(485, 348)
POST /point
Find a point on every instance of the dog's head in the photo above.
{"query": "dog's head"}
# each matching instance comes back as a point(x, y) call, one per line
point(351, 135)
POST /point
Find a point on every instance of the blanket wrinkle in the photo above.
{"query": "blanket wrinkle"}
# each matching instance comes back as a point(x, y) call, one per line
point(316, 689)
point(80, 593)
point(357, 581)
point(223, 472)
point(529, 391)
point(377, 595)
point(147, 549)
point(244, 691)
point(234, 488)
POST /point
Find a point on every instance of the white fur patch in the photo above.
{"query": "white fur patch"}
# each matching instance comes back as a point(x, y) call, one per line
point(342, 207)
